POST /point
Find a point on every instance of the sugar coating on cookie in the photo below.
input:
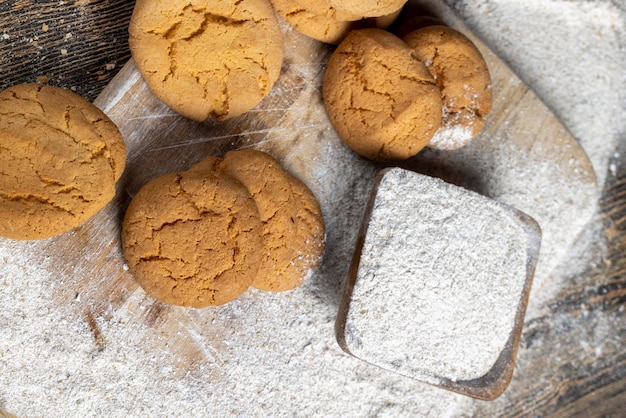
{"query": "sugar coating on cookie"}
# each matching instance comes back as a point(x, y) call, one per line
point(193, 238)
point(293, 226)
point(59, 161)
point(463, 78)
point(207, 59)
point(381, 101)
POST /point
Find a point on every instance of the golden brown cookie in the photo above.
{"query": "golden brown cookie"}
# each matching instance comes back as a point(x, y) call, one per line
point(293, 227)
point(381, 101)
point(323, 27)
point(463, 78)
point(193, 238)
point(366, 8)
point(60, 158)
point(207, 59)
point(324, 8)
point(316, 26)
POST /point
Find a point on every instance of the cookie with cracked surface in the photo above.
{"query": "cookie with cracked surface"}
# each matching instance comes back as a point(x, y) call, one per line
point(293, 226)
point(323, 27)
point(324, 8)
point(317, 26)
point(60, 157)
point(381, 101)
point(366, 8)
point(193, 238)
point(463, 78)
point(207, 59)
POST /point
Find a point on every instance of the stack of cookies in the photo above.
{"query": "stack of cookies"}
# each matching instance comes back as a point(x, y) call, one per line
point(202, 237)
point(388, 98)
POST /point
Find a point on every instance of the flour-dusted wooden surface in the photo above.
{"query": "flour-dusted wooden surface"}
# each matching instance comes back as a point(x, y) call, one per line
point(275, 354)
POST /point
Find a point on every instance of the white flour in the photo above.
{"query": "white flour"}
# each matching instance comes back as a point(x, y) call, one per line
point(451, 137)
point(439, 281)
point(572, 54)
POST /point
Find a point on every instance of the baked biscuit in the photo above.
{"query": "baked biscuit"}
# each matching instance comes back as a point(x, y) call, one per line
point(193, 238)
point(316, 26)
point(293, 227)
point(366, 8)
point(60, 159)
point(325, 27)
point(326, 9)
point(207, 59)
point(381, 101)
point(463, 78)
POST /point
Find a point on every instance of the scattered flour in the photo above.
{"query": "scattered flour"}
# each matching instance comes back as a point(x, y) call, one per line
point(582, 81)
point(63, 371)
point(451, 137)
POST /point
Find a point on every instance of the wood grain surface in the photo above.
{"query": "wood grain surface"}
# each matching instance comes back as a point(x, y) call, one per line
point(75, 44)
point(571, 360)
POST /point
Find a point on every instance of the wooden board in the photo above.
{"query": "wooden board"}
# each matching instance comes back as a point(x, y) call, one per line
point(525, 157)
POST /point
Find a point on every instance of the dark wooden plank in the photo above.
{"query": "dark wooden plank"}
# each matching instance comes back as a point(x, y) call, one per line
point(76, 44)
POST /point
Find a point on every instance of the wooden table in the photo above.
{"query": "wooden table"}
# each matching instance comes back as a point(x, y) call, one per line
point(81, 44)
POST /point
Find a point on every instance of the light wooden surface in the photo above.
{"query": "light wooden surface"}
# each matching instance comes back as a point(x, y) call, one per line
point(560, 372)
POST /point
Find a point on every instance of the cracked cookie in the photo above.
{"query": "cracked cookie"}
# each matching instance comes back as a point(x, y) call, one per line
point(317, 26)
point(343, 10)
point(366, 8)
point(381, 101)
point(293, 227)
point(193, 238)
point(60, 158)
point(207, 59)
point(320, 23)
point(324, 8)
point(463, 78)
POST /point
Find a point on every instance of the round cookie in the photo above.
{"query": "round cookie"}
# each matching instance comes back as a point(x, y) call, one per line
point(463, 78)
point(324, 8)
point(60, 156)
point(193, 238)
point(323, 27)
point(381, 101)
point(207, 59)
point(316, 26)
point(293, 227)
point(367, 8)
